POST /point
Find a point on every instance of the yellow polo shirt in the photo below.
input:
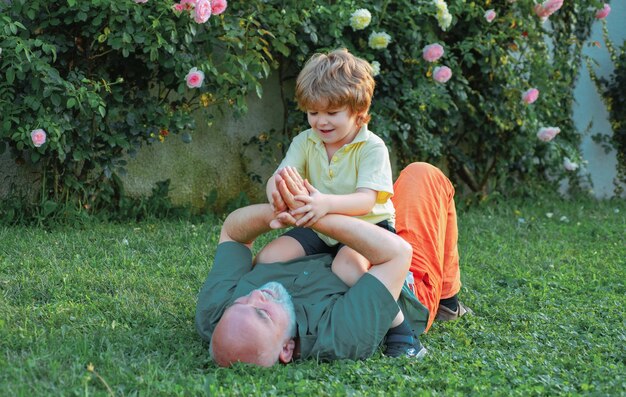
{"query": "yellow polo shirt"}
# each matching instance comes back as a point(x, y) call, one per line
point(362, 163)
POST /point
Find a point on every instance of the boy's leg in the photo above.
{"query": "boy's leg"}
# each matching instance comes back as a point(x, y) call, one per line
point(349, 266)
point(293, 244)
point(426, 219)
point(282, 249)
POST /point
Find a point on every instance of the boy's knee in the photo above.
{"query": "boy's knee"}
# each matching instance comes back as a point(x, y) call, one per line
point(261, 257)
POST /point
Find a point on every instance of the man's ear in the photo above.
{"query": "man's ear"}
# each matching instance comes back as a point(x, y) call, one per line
point(287, 352)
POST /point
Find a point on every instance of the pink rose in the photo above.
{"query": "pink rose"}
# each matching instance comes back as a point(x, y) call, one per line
point(547, 8)
point(38, 137)
point(194, 78)
point(203, 11)
point(530, 96)
point(218, 6)
point(546, 134)
point(604, 12)
point(141, 1)
point(490, 15)
point(569, 164)
point(432, 52)
point(442, 74)
point(178, 8)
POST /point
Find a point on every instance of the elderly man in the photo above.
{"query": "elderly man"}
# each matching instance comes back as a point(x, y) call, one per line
point(300, 309)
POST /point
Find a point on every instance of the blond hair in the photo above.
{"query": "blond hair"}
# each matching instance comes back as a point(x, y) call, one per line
point(335, 80)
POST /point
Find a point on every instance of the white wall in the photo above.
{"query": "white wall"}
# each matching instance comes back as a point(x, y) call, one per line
point(590, 108)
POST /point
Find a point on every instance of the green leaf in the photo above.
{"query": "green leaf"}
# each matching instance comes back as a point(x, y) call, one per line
point(102, 111)
point(10, 75)
point(55, 99)
point(71, 102)
point(48, 207)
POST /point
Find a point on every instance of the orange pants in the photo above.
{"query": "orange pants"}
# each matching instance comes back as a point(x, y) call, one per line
point(426, 219)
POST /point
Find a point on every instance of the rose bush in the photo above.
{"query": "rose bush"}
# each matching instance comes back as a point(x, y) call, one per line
point(102, 78)
point(474, 125)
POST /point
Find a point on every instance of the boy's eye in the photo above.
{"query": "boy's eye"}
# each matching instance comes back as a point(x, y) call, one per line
point(332, 113)
point(312, 113)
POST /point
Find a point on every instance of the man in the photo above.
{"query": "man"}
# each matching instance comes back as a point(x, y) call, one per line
point(245, 319)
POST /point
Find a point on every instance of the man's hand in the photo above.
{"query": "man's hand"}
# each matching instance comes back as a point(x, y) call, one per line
point(315, 206)
point(276, 201)
point(289, 183)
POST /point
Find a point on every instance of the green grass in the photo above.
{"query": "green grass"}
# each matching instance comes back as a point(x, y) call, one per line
point(548, 296)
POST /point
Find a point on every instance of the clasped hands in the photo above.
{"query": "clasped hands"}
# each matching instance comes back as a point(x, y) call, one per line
point(295, 201)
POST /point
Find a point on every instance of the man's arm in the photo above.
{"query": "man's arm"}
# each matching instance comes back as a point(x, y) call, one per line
point(318, 204)
point(388, 253)
point(245, 224)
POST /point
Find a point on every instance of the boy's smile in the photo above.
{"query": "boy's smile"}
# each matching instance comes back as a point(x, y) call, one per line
point(336, 127)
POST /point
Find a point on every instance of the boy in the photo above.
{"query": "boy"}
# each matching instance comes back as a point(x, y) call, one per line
point(339, 156)
point(346, 163)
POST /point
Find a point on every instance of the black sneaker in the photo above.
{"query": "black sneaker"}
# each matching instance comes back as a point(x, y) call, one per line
point(404, 346)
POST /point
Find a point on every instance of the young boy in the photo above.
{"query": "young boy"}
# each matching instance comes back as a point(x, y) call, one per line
point(339, 156)
point(346, 163)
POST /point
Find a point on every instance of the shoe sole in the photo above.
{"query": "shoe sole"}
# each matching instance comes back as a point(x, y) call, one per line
point(421, 354)
point(445, 314)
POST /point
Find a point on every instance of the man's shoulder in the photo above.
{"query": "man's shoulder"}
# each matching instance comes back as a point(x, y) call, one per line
point(231, 248)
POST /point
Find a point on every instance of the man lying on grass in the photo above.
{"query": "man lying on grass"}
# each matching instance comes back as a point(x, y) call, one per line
point(300, 309)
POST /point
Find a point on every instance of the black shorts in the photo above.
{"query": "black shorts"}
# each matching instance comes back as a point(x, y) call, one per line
point(313, 244)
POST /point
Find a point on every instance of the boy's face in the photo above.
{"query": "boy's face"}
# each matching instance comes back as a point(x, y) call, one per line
point(336, 127)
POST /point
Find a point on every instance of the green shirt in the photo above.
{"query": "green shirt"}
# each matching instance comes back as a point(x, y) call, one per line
point(333, 320)
point(362, 163)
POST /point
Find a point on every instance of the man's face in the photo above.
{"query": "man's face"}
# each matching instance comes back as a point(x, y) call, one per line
point(256, 326)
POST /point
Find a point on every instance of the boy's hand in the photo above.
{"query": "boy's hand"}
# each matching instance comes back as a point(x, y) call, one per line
point(290, 184)
point(278, 205)
point(315, 206)
point(293, 182)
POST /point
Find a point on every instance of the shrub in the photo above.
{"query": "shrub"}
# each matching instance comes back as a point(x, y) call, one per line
point(476, 124)
point(101, 78)
point(86, 83)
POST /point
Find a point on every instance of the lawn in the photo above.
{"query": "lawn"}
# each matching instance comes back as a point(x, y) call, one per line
point(107, 309)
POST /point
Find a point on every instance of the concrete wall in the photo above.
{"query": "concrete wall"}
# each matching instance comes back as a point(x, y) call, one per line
point(22, 179)
point(590, 108)
point(215, 159)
